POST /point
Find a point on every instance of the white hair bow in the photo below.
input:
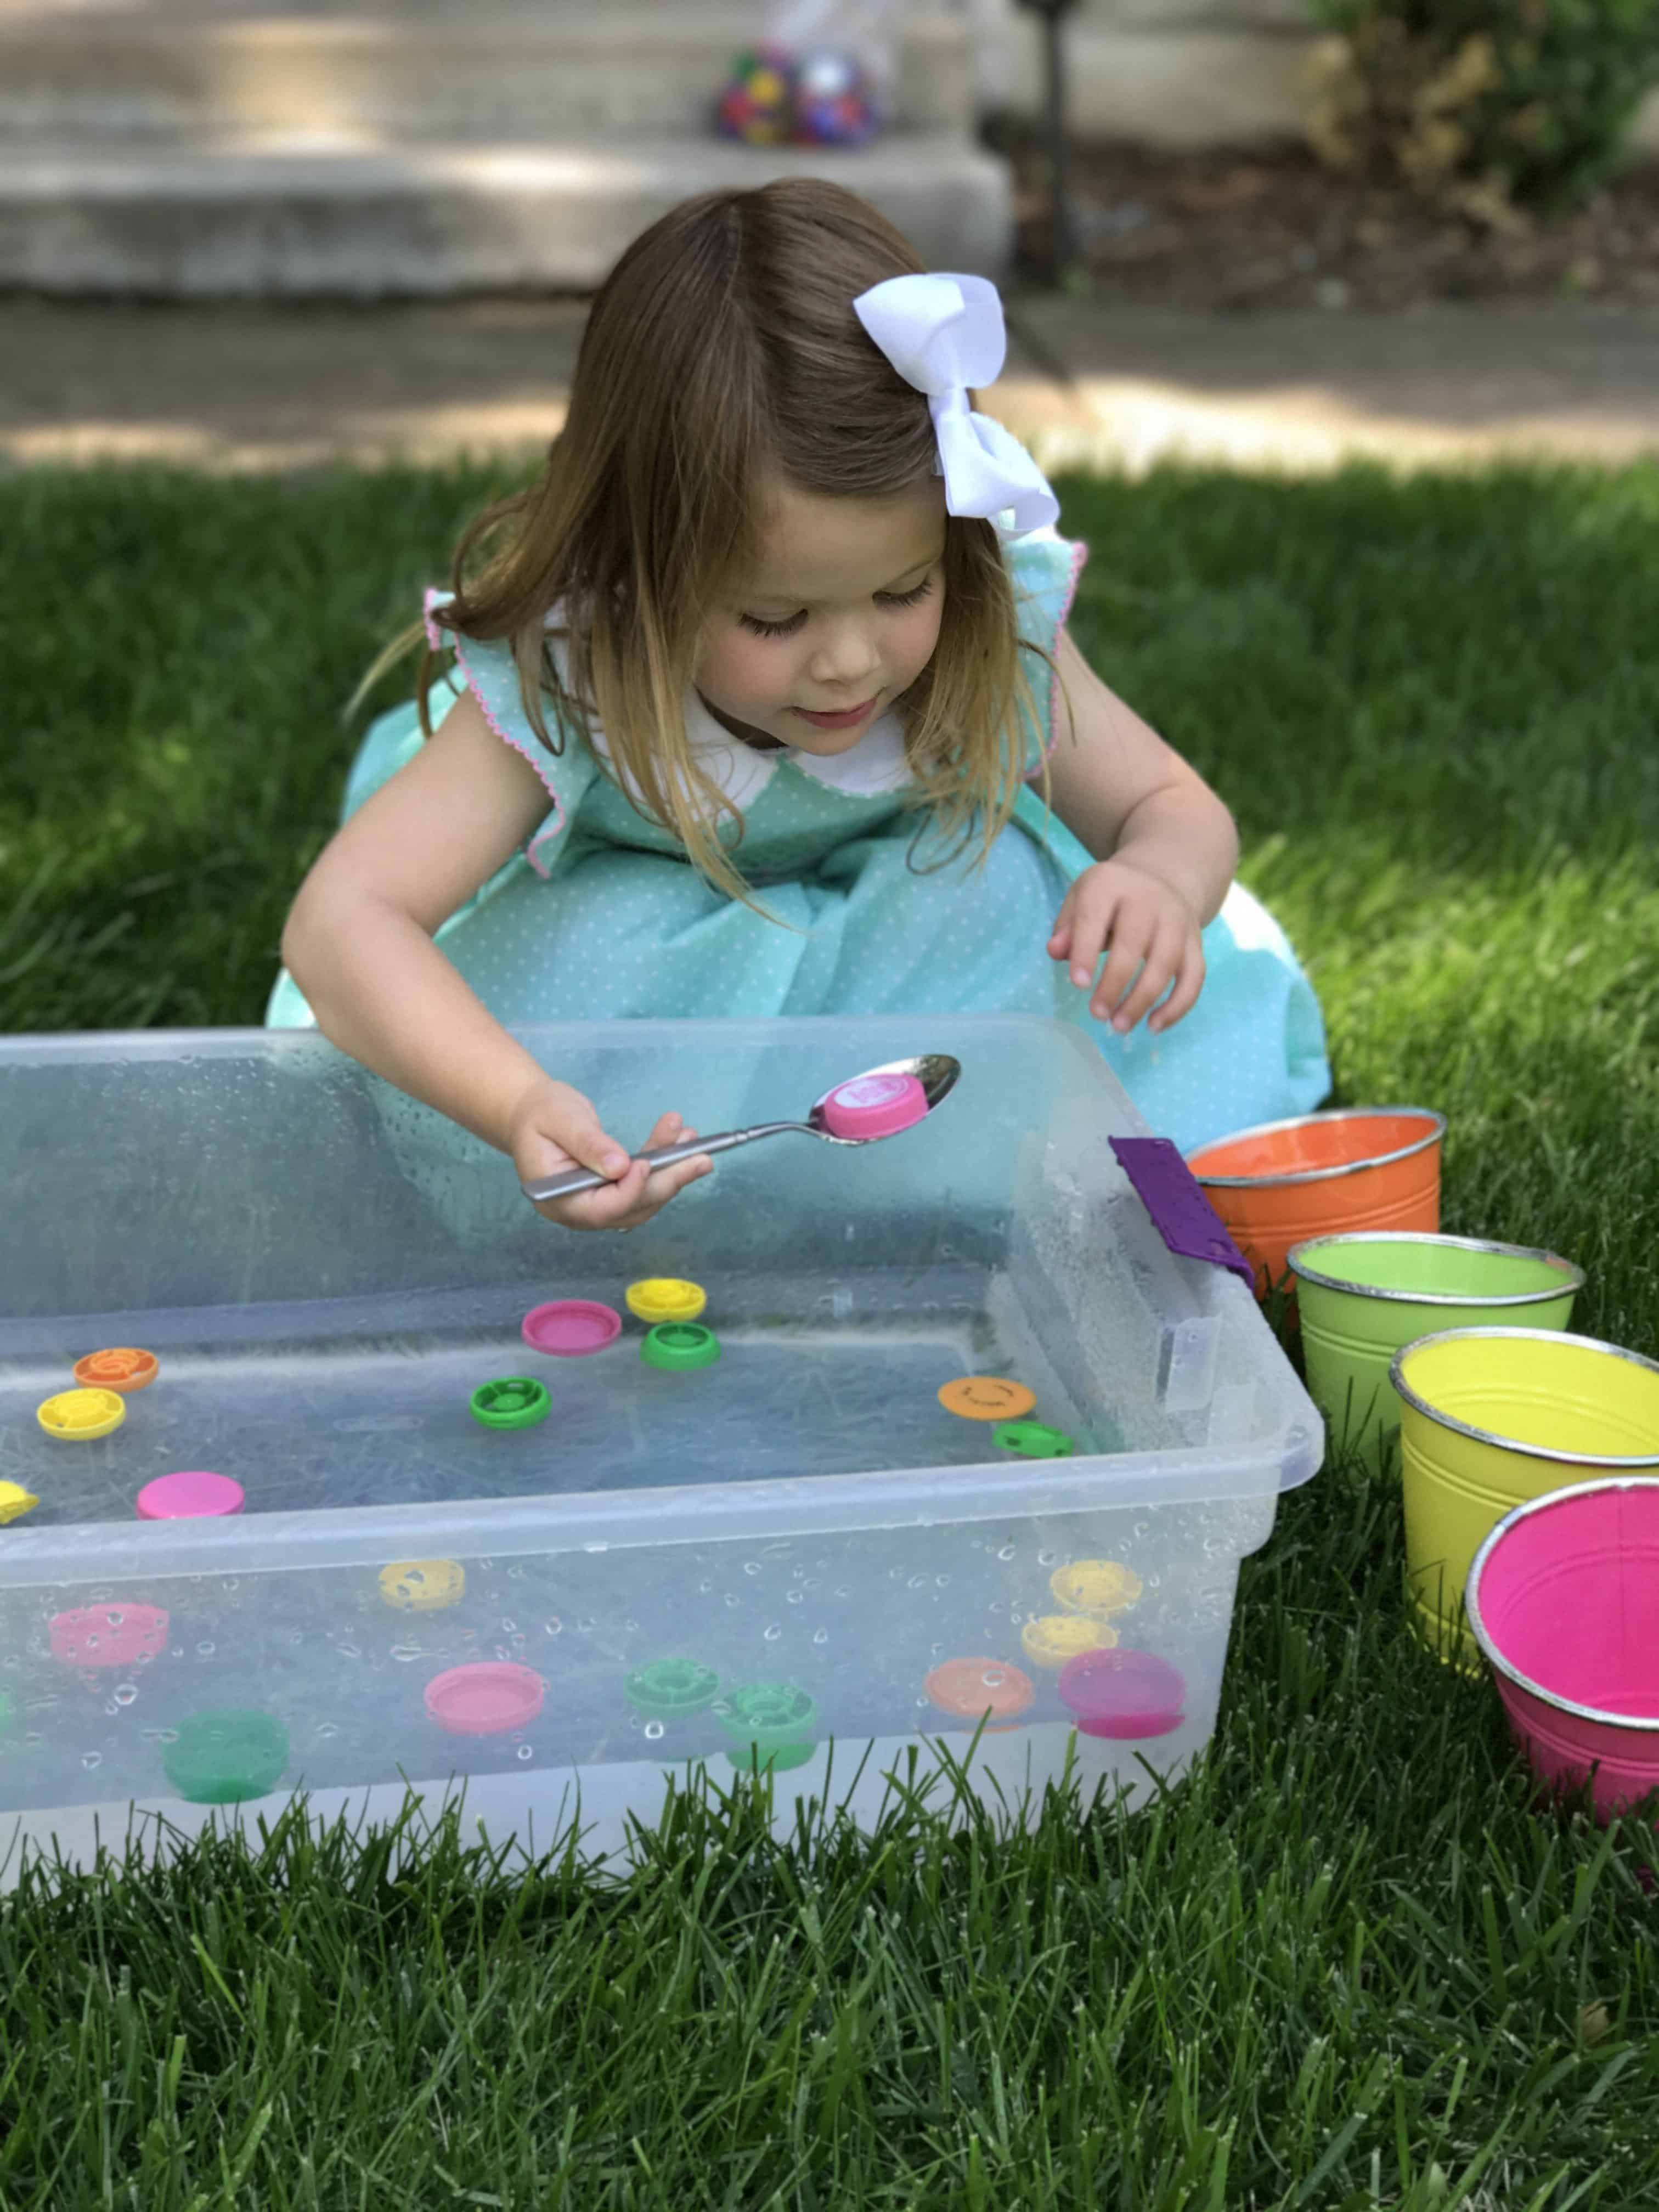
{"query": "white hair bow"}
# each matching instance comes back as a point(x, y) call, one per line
point(944, 333)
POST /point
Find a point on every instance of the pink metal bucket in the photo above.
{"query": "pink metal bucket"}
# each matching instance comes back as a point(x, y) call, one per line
point(1563, 1599)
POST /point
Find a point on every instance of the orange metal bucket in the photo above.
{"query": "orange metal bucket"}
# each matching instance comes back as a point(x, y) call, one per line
point(1323, 1175)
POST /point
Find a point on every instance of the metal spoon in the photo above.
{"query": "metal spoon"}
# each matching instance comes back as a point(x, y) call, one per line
point(936, 1072)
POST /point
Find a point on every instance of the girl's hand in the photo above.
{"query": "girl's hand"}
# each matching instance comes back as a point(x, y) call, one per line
point(555, 1127)
point(1139, 921)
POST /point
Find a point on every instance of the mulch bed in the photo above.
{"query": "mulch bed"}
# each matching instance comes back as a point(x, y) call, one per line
point(1270, 228)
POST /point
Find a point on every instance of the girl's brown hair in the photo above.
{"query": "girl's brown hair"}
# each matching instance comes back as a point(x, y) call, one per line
point(724, 345)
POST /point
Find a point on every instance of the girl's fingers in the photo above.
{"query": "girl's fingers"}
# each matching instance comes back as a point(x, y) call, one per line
point(667, 1184)
point(1184, 997)
point(602, 1208)
point(1162, 962)
point(585, 1144)
point(1148, 949)
point(1088, 929)
point(642, 1192)
point(623, 1202)
point(1132, 944)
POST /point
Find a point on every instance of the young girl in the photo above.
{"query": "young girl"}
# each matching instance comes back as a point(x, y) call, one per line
point(755, 709)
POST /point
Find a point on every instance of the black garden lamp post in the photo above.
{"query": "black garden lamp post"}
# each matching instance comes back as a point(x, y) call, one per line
point(1061, 236)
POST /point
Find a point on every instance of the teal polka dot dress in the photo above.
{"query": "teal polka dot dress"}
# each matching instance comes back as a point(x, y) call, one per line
point(600, 916)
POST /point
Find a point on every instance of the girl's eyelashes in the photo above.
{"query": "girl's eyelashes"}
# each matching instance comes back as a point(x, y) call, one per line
point(910, 599)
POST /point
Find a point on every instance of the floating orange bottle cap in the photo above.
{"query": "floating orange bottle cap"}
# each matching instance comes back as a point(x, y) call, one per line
point(1099, 1586)
point(15, 1502)
point(1058, 1636)
point(987, 1398)
point(123, 1368)
point(78, 1416)
point(423, 1585)
point(976, 1689)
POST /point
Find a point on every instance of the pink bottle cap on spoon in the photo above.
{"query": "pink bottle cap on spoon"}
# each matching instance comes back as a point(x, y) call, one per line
point(874, 1106)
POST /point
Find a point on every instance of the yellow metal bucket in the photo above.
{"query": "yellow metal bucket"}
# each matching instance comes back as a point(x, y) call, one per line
point(1491, 1416)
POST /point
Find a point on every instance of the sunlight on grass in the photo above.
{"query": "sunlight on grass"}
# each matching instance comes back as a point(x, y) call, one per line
point(1346, 1965)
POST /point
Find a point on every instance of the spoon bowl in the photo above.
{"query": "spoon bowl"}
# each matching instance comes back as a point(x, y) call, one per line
point(936, 1072)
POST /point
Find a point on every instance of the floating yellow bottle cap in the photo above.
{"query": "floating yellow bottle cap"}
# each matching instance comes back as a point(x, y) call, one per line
point(78, 1416)
point(1058, 1636)
point(15, 1502)
point(1099, 1586)
point(423, 1585)
point(664, 1297)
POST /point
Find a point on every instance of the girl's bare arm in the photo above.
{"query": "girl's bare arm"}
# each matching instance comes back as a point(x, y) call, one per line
point(1126, 795)
point(1164, 846)
point(358, 942)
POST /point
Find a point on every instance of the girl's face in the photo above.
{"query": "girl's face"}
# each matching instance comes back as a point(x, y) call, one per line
point(839, 618)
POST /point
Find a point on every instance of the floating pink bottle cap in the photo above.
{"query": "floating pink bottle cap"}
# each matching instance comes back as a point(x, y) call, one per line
point(1122, 1693)
point(189, 1495)
point(487, 1697)
point(874, 1106)
point(570, 1328)
point(117, 1634)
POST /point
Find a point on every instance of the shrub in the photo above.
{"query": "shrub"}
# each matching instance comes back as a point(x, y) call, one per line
point(1489, 108)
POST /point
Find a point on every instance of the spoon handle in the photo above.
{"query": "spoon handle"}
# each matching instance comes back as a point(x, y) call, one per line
point(665, 1156)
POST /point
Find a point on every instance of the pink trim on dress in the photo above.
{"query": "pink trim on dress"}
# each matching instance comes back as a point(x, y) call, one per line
point(525, 752)
point(1079, 555)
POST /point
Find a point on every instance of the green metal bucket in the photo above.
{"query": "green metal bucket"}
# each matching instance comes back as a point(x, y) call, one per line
point(1365, 1295)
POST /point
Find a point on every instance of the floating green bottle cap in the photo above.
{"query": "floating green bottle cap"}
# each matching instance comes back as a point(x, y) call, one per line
point(668, 1689)
point(1033, 1440)
point(514, 1401)
point(771, 1725)
point(679, 1346)
point(226, 1757)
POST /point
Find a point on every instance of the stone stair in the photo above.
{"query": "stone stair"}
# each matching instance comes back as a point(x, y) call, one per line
point(177, 148)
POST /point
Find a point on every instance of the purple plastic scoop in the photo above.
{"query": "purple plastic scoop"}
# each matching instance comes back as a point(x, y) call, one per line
point(1179, 1212)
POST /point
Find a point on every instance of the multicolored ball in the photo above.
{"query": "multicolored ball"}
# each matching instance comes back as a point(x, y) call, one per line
point(757, 104)
point(834, 105)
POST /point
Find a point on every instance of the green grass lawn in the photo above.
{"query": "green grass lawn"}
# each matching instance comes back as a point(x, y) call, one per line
point(1345, 1965)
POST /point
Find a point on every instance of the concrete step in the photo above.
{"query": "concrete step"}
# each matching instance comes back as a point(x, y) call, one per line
point(435, 220)
point(501, 72)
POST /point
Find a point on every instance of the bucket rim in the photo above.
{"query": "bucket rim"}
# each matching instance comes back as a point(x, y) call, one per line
point(1637, 1722)
point(1571, 1282)
point(1435, 1131)
point(1615, 1462)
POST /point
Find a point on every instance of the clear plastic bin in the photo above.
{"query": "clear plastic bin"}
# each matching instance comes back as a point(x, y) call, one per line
point(324, 1275)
